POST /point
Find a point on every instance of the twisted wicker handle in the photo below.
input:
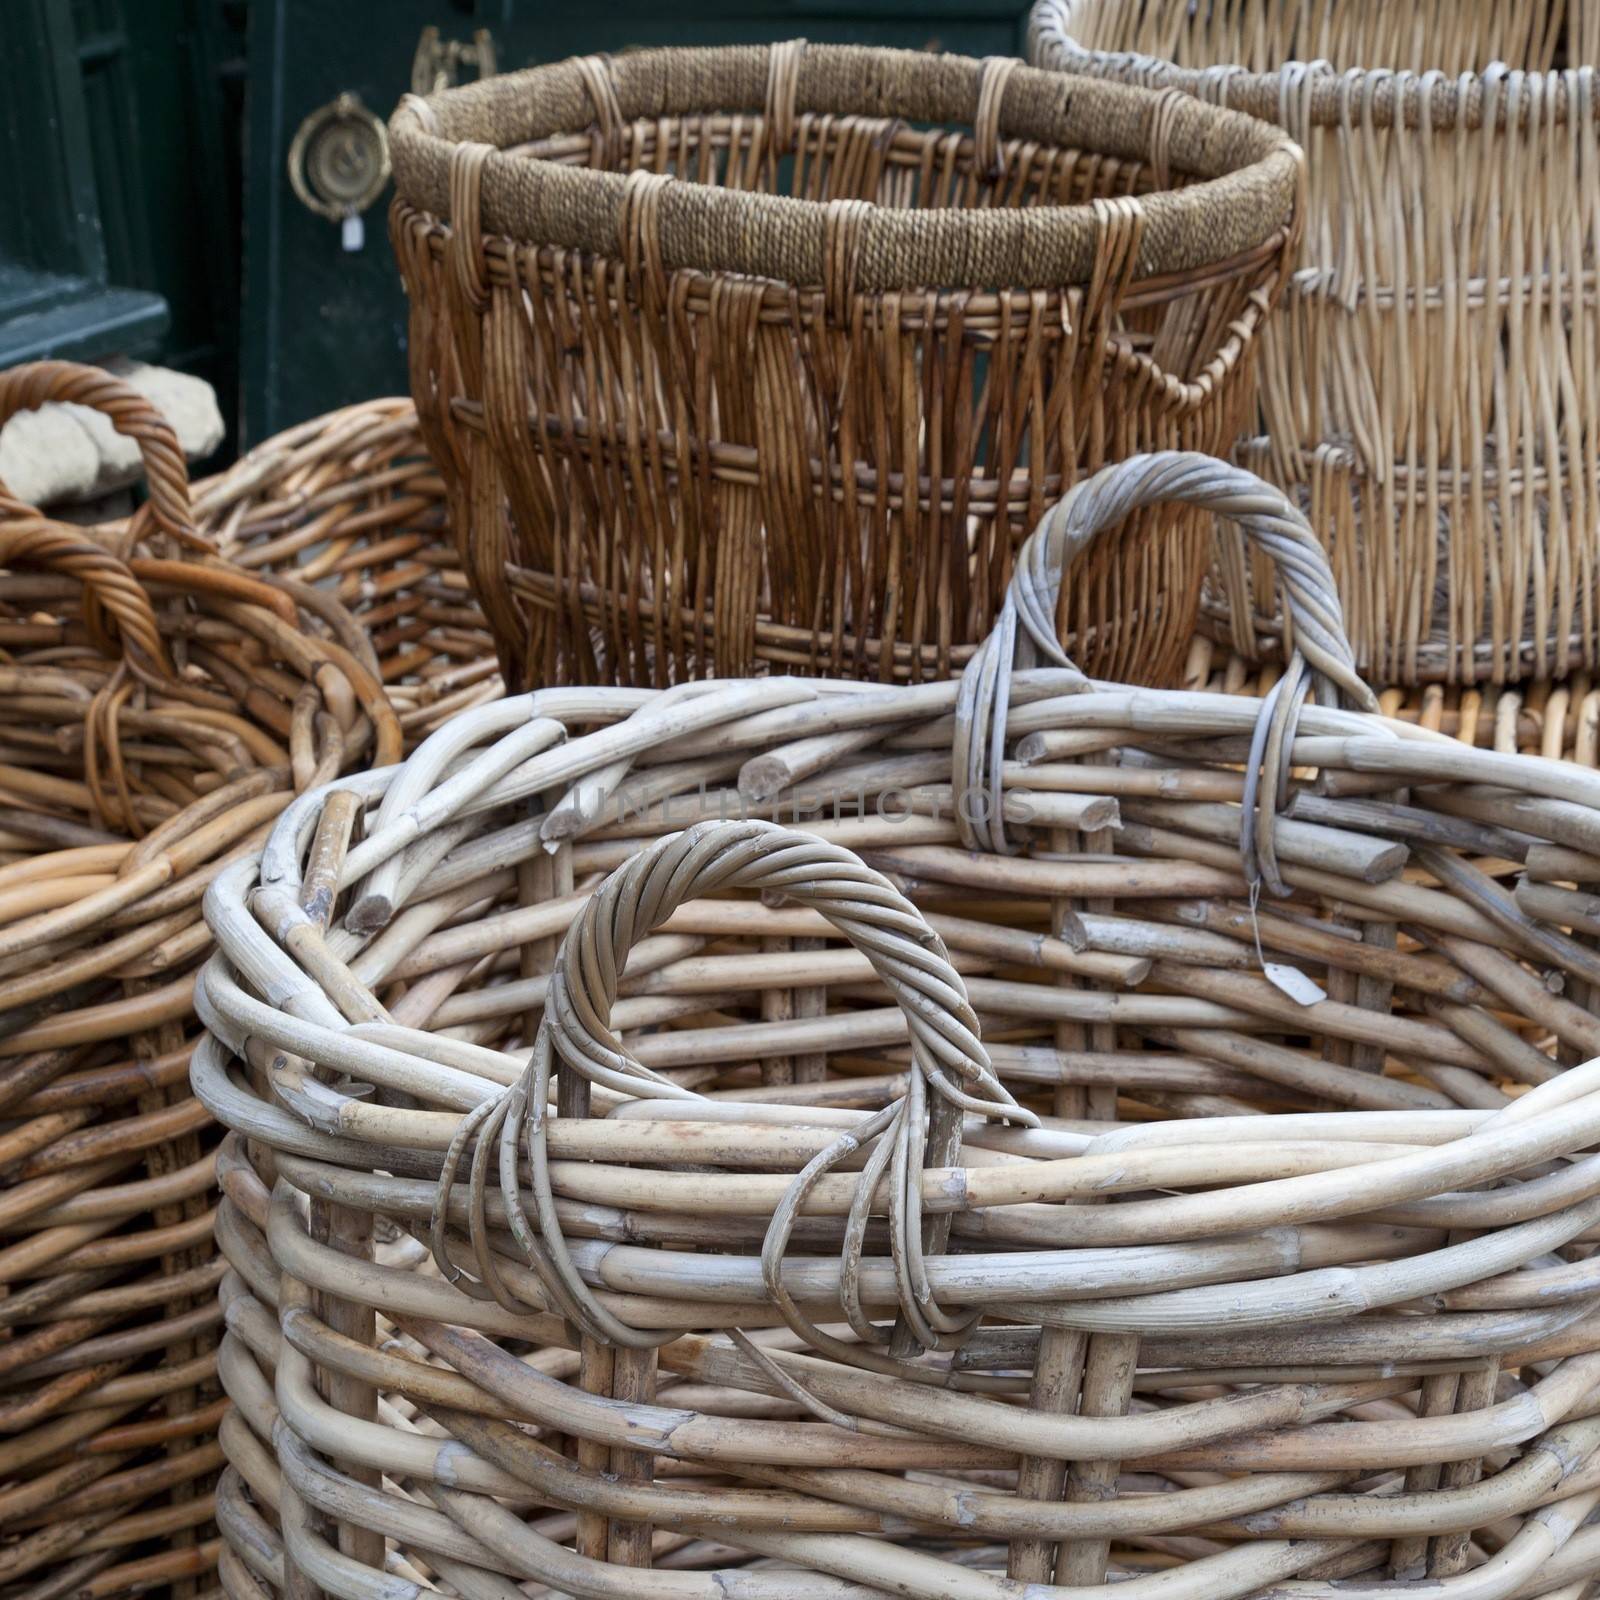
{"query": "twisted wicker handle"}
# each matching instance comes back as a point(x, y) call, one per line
point(39, 383)
point(29, 538)
point(109, 587)
point(860, 902)
point(575, 1036)
point(1261, 512)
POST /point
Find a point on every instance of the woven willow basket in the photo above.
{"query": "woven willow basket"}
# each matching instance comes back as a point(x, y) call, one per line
point(767, 358)
point(350, 505)
point(907, 1177)
point(1428, 392)
point(158, 712)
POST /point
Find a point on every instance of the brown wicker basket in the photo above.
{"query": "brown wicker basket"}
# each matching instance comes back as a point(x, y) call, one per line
point(158, 712)
point(767, 358)
point(1060, 1135)
point(351, 505)
point(1427, 391)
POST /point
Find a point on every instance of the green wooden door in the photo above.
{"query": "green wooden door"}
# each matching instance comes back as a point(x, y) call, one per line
point(322, 325)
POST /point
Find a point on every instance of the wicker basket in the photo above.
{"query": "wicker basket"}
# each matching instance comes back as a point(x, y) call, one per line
point(1100, 1147)
point(1427, 391)
point(159, 711)
point(766, 358)
point(351, 505)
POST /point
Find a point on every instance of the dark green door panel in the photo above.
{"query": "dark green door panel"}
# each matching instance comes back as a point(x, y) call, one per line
point(119, 180)
point(322, 327)
point(57, 293)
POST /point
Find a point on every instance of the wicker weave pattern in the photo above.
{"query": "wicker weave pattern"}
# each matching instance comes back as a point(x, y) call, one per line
point(349, 507)
point(1428, 391)
point(733, 366)
point(914, 1224)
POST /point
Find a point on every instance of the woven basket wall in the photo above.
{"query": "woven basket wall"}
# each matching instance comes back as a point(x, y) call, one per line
point(1428, 390)
point(160, 708)
point(350, 506)
point(1168, 1177)
point(767, 358)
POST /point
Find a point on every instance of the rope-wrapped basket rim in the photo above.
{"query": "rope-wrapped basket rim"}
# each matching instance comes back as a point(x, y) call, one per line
point(1321, 95)
point(1248, 173)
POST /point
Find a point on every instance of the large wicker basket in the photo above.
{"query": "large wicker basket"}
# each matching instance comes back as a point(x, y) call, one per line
point(1428, 390)
point(158, 712)
point(767, 358)
point(1059, 1134)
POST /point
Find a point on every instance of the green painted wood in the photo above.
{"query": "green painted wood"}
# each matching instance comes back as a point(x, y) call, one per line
point(52, 315)
point(166, 169)
point(321, 328)
point(54, 283)
point(117, 185)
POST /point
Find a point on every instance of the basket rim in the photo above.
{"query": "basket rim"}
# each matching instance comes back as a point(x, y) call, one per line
point(1376, 97)
point(455, 152)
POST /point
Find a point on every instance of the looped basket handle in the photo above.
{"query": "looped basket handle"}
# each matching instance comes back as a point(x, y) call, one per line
point(950, 1069)
point(1322, 651)
point(39, 383)
point(109, 585)
point(121, 622)
point(111, 592)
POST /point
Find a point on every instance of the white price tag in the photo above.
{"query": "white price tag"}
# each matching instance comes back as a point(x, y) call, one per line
point(352, 233)
point(1293, 982)
point(1287, 980)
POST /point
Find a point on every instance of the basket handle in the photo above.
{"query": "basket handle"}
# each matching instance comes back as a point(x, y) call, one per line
point(121, 622)
point(39, 383)
point(109, 587)
point(1322, 651)
point(1261, 512)
point(951, 1072)
point(29, 538)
